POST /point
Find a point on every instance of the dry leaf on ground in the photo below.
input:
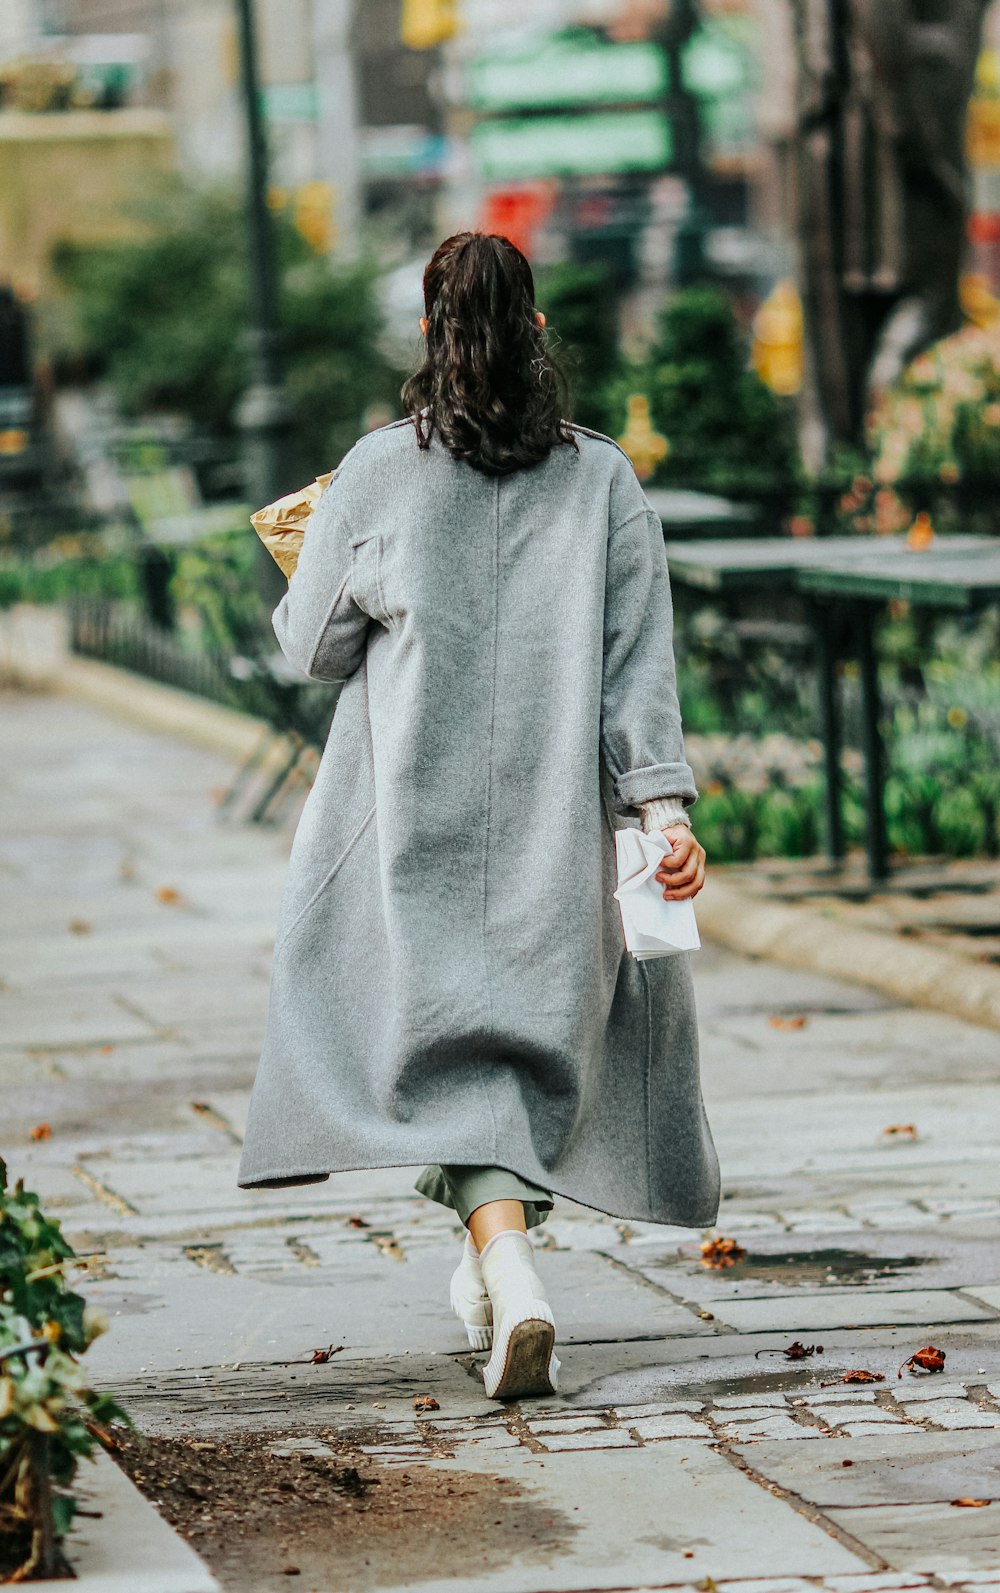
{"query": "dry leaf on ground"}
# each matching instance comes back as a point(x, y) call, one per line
point(900, 1131)
point(168, 894)
point(79, 926)
point(42, 1131)
point(779, 1020)
point(320, 1357)
point(425, 1402)
point(971, 1504)
point(929, 1359)
point(356, 1222)
point(857, 1374)
point(719, 1252)
point(798, 1352)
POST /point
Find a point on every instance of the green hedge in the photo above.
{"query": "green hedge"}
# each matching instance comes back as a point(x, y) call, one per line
point(49, 1415)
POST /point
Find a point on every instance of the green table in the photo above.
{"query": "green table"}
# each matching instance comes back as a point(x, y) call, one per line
point(848, 579)
point(960, 574)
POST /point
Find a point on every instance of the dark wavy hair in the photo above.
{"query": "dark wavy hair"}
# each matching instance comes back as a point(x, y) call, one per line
point(488, 384)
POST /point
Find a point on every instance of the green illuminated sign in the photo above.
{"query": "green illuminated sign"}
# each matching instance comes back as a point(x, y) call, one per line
point(552, 146)
point(568, 70)
point(718, 66)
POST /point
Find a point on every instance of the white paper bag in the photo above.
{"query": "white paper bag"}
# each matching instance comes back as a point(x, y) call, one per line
point(653, 927)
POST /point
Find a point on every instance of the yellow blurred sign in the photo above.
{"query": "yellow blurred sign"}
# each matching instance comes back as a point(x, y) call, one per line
point(982, 135)
point(979, 302)
point(313, 215)
point(778, 340)
point(644, 446)
point(13, 441)
point(428, 23)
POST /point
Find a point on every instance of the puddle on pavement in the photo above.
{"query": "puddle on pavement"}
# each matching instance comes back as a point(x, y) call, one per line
point(830, 1268)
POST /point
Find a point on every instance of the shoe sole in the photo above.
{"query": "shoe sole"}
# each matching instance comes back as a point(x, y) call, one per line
point(528, 1362)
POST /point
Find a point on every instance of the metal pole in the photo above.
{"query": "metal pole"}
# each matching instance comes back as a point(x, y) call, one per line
point(829, 708)
point(684, 113)
point(263, 414)
point(877, 845)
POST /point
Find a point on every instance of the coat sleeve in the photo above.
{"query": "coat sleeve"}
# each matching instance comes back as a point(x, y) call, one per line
point(641, 736)
point(319, 624)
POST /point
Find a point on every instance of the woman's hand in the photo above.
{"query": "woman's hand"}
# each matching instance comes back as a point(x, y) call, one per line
point(683, 872)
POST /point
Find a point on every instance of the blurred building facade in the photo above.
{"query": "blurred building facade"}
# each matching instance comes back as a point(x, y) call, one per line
point(653, 136)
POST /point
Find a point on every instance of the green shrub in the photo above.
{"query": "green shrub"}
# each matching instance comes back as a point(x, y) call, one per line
point(727, 431)
point(49, 1415)
point(164, 318)
point(575, 299)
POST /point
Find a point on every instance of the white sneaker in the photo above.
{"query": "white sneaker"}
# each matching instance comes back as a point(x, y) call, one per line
point(523, 1361)
point(470, 1300)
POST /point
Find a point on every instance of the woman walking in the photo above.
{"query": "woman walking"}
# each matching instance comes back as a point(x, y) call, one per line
point(450, 982)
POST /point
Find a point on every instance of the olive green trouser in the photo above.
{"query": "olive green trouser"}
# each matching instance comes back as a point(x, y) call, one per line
point(465, 1188)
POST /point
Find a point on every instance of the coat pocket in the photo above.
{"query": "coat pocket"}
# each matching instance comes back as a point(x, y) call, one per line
point(327, 880)
point(366, 575)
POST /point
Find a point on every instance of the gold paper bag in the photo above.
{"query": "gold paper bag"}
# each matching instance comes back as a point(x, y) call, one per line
point(282, 525)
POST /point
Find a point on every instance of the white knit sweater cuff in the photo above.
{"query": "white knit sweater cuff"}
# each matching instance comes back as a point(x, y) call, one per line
point(664, 812)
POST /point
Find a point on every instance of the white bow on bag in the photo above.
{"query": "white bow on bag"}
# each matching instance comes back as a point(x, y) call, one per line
point(653, 927)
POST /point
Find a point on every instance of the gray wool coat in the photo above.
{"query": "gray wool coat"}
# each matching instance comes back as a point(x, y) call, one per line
point(450, 982)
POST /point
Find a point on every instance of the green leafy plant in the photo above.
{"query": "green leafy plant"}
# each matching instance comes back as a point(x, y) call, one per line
point(727, 431)
point(575, 300)
point(164, 319)
point(49, 1415)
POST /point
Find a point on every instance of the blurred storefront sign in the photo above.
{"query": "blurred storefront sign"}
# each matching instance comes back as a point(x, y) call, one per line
point(719, 67)
point(517, 213)
point(565, 70)
point(484, 17)
point(543, 146)
point(402, 151)
point(291, 102)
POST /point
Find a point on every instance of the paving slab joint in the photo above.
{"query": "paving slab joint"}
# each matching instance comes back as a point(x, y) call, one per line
point(802, 1507)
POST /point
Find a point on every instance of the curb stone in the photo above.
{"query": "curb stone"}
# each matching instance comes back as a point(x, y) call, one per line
point(124, 1544)
point(161, 709)
point(804, 937)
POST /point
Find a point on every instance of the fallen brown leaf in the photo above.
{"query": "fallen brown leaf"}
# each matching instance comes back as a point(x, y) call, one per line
point(168, 895)
point(425, 1402)
point(798, 1352)
point(929, 1359)
point(971, 1504)
point(778, 1020)
point(356, 1222)
point(856, 1375)
point(320, 1357)
point(42, 1131)
point(79, 926)
point(719, 1252)
point(900, 1131)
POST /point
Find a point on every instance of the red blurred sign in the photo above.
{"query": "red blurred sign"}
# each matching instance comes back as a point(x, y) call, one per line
point(517, 213)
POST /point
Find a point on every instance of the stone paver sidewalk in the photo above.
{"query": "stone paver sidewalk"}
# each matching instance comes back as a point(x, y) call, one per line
point(859, 1145)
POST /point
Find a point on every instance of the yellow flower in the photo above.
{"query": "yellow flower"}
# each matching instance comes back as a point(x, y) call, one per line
point(957, 718)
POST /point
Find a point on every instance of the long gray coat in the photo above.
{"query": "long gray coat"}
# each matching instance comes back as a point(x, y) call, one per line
point(450, 982)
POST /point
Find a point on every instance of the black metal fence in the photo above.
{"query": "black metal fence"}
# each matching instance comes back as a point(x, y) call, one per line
point(110, 632)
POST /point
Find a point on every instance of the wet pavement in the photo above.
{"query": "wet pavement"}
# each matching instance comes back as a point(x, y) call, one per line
point(861, 1161)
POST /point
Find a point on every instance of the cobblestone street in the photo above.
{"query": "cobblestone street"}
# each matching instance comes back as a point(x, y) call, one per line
point(860, 1153)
